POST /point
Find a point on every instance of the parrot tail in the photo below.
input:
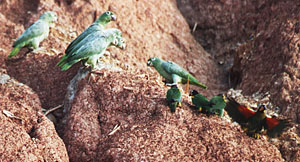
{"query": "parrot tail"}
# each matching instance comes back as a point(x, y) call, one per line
point(67, 65)
point(201, 85)
point(173, 106)
point(62, 61)
point(14, 51)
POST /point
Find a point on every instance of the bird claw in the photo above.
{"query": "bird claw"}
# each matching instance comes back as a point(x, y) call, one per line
point(256, 136)
point(106, 53)
point(179, 104)
point(38, 50)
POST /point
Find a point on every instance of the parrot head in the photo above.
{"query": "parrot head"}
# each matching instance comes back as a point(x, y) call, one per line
point(106, 17)
point(152, 61)
point(49, 16)
point(223, 96)
point(193, 92)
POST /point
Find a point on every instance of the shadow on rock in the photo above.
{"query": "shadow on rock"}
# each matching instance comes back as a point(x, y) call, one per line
point(39, 72)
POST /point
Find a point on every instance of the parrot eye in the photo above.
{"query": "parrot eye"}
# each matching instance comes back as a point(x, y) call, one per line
point(115, 42)
point(108, 13)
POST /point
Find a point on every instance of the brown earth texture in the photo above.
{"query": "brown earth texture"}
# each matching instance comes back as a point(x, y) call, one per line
point(120, 113)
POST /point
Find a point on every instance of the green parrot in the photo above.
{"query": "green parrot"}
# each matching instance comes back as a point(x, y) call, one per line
point(173, 73)
point(92, 48)
point(119, 42)
point(215, 105)
point(98, 25)
point(174, 98)
point(253, 122)
point(35, 34)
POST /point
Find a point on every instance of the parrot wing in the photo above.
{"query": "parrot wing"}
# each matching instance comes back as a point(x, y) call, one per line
point(94, 46)
point(172, 68)
point(276, 126)
point(173, 98)
point(201, 101)
point(237, 112)
point(218, 103)
point(90, 48)
point(174, 94)
point(91, 29)
point(35, 30)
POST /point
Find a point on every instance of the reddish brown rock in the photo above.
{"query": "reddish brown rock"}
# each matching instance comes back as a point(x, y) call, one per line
point(26, 134)
point(151, 28)
point(148, 131)
point(270, 62)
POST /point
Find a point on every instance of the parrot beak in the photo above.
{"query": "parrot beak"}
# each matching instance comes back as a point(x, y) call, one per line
point(123, 47)
point(149, 63)
point(113, 18)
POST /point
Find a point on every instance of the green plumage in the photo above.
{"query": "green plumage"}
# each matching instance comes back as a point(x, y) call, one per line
point(35, 34)
point(92, 48)
point(98, 25)
point(174, 98)
point(173, 73)
point(215, 105)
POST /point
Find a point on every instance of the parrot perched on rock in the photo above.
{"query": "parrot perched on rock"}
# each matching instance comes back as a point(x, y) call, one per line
point(35, 34)
point(98, 25)
point(174, 98)
point(173, 73)
point(215, 105)
point(91, 48)
point(253, 122)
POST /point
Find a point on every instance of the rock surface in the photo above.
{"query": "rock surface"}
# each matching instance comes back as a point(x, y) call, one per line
point(134, 97)
point(270, 62)
point(148, 131)
point(26, 134)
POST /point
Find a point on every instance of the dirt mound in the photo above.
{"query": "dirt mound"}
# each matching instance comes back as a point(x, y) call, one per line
point(26, 134)
point(147, 130)
point(270, 62)
point(133, 98)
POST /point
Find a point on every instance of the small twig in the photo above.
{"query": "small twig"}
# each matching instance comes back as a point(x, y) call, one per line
point(195, 27)
point(10, 115)
point(52, 109)
point(129, 88)
point(116, 128)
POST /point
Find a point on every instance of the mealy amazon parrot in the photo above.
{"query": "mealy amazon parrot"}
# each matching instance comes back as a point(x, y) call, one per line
point(215, 105)
point(174, 98)
point(92, 48)
point(253, 122)
point(119, 42)
point(98, 25)
point(173, 73)
point(35, 34)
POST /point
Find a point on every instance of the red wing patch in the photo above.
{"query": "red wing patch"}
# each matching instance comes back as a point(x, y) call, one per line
point(245, 111)
point(272, 122)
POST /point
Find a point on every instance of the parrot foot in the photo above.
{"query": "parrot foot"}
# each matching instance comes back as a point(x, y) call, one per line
point(38, 50)
point(200, 109)
point(256, 135)
point(106, 53)
point(179, 104)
